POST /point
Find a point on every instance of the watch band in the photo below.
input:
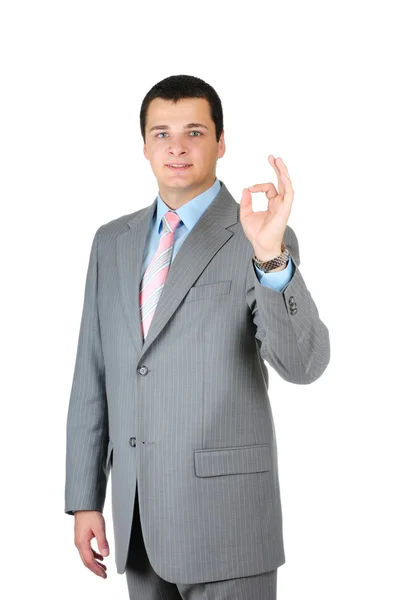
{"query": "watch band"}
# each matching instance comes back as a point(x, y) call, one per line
point(278, 261)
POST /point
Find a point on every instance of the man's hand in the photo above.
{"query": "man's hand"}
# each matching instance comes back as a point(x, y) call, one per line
point(89, 524)
point(265, 229)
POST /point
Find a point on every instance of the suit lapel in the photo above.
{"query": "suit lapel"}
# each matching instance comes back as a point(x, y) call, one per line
point(208, 235)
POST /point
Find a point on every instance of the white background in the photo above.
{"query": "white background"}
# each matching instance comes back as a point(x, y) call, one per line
point(312, 82)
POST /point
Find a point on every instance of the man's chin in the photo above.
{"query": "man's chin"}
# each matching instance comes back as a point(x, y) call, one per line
point(177, 183)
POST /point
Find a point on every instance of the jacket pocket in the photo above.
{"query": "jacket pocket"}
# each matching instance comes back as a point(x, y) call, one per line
point(230, 461)
point(208, 290)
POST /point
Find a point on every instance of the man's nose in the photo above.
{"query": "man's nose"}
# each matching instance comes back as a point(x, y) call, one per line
point(177, 151)
point(178, 146)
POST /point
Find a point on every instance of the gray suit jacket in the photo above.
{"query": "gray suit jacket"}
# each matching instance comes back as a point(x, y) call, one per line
point(184, 419)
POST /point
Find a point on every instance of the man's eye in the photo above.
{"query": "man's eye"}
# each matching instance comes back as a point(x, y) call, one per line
point(194, 131)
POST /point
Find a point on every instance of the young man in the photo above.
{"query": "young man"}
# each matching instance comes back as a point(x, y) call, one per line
point(185, 301)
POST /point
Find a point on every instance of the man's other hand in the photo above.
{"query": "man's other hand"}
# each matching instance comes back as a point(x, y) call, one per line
point(91, 524)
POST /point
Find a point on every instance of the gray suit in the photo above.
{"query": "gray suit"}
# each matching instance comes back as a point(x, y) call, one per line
point(184, 418)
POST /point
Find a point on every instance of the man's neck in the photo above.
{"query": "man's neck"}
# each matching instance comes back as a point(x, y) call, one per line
point(174, 197)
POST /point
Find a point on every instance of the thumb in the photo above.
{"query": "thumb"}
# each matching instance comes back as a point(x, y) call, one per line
point(102, 542)
point(246, 206)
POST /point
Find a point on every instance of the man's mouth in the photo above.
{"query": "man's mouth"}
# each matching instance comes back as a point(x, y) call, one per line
point(178, 166)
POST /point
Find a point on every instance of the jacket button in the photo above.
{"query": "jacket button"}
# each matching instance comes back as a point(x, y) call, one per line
point(143, 370)
point(133, 442)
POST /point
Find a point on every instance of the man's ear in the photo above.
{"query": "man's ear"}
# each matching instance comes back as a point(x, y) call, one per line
point(222, 147)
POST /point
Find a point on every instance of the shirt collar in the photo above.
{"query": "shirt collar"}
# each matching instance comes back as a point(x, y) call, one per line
point(191, 211)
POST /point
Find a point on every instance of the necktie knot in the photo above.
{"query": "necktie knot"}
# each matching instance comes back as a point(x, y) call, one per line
point(170, 221)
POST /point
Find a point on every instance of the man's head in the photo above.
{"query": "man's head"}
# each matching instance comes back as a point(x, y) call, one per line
point(181, 121)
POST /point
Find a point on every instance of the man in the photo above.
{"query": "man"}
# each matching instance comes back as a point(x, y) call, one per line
point(185, 301)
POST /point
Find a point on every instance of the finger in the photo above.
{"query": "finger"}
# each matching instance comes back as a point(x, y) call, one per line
point(246, 205)
point(86, 554)
point(262, 187)
point(99, 556)
point(271, 193)
point(103, 546)
point(274, 163)
point(103, 567)
point(271, 160)
point(283, 168)
point(285, 178)
point(289, 191)
point(280, 166)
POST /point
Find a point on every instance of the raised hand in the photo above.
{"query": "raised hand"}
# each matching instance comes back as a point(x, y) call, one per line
point(265, 228)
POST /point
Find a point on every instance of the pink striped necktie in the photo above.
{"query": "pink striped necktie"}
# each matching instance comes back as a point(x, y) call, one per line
point(156, 272)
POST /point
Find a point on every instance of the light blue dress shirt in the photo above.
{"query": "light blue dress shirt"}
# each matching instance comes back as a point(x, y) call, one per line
point(189, 213)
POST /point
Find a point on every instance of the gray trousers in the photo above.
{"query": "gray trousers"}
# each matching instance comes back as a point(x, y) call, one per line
point(145, 584)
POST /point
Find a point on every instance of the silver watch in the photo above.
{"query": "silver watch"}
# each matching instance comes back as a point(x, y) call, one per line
point(278, 261)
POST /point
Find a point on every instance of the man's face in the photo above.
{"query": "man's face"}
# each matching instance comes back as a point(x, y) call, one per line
point(170, 141)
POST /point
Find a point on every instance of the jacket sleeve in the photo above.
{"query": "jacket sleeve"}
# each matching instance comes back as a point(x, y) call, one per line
point(289, 332)
point(87, 437)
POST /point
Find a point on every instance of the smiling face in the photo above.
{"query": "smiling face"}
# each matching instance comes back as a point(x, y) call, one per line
point(182, 132)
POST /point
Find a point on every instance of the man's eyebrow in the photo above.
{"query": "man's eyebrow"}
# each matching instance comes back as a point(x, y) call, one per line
point(189, 126)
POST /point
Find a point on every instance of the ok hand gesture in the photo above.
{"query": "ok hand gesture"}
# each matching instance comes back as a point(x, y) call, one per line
point(265, 229)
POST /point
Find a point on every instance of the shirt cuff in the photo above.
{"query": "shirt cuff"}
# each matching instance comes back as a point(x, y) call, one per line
point(277, 280)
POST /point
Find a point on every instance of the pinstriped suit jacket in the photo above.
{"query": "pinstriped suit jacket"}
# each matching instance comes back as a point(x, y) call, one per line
point(184, 418)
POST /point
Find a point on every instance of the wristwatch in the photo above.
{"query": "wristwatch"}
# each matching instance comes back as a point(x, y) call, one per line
point(278, 261)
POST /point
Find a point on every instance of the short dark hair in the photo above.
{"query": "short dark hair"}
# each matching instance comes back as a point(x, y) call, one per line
point(177, 87)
